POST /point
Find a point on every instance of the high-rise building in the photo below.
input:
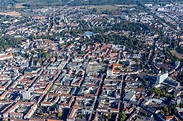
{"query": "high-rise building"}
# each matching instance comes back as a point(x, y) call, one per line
point(161, 77)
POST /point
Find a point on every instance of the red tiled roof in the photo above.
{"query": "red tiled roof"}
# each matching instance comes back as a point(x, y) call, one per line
point(169, 117)
point(53, 120)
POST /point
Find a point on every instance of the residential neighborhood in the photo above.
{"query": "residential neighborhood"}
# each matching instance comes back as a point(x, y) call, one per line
point(81, 63)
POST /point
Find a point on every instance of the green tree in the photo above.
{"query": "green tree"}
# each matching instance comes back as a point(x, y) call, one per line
point(94, 10)
point(123, 117)
point(59, 114)
point(166, 110)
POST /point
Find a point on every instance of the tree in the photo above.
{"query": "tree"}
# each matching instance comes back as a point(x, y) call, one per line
point(122, 62)
point(31, 37)
point(68, 69)
point(144, 82)
point(123, 117)
point(108, 117)
point(106, 61)
point(166, 110)
point(59, 114)
point(94, 10)
point(44, 54)
point(116, 68)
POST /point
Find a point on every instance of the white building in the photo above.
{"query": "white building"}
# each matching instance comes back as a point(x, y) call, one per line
point(6, 56)
point(26, 95)
point(161, 77)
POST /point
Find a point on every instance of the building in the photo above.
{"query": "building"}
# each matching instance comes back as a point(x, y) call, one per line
point(161, 77)
point(31, 70)
point(26, 95)
point(180, 112)
point(6, 56)
point(88, 34)
point(124, 17)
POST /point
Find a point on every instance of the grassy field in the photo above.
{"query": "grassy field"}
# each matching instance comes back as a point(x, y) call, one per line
point(104, 7)
point(101, 8)
point(11, 13)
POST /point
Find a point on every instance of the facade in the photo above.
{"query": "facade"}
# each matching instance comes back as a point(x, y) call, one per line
point(161, 77)
point(6, 56)
point(26, 95)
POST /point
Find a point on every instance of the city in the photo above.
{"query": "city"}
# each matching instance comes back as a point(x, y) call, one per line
point(115, 62)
